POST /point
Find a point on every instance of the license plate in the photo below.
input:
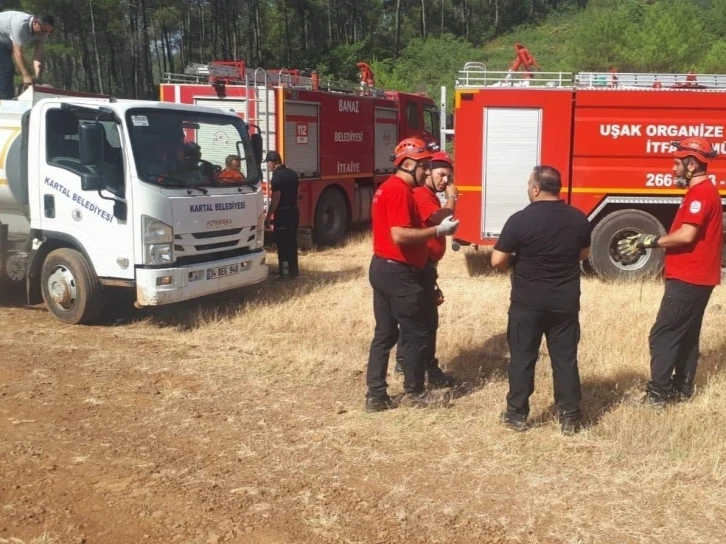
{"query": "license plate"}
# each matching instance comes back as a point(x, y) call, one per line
point(222, 271)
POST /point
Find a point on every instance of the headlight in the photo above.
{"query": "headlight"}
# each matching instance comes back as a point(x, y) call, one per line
point(260, 232)
point(158, 241)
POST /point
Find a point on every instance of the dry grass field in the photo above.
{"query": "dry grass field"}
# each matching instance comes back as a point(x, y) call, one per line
point(239, 419)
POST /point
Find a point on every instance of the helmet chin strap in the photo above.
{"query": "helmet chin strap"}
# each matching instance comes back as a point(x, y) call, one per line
point(684, 181)
point(412, 173)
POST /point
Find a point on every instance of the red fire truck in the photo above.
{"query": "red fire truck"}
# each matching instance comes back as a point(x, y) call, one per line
point(610, 136)
point(337, 137)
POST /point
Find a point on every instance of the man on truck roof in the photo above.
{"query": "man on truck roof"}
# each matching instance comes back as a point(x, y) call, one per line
point(692, 269)
point(18, 29)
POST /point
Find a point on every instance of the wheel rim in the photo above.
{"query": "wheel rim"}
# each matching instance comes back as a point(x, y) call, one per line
point(331, 221)
point(621, 262)
point(62, 287)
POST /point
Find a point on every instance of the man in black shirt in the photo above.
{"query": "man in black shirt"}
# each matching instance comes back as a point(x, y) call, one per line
point(544, 244)
point(287, 216)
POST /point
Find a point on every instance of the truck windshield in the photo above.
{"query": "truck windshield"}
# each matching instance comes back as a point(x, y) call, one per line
point(177, 148)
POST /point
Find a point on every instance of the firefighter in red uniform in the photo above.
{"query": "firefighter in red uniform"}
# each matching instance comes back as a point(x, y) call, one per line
point(692, 269)
point(396, 275)
point(439, 179)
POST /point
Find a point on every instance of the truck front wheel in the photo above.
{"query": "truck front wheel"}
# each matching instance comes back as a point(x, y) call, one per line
point(71, 290)
point(605, 258)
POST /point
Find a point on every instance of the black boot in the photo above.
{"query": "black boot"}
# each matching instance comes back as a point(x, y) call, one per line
point(379, 404)
point(570, 422)
point(682, 389)
point(424, 399)
point(514, 422)
point(437, 378)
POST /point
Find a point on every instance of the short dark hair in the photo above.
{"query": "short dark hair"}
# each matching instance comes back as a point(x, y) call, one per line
point(273, 156)
point(547, 178)
point(700, 165)
point(47, 20)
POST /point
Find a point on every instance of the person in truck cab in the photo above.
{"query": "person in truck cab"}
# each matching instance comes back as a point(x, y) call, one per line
point(692, 269)
point(193, 170)
point(439, 179)
point(396, 276)
point(18, 29)
point(233, 171)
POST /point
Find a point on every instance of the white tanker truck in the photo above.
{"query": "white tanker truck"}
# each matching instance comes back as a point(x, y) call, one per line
point(98, 193)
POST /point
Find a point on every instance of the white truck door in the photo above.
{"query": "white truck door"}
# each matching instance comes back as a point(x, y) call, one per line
point(67, 210)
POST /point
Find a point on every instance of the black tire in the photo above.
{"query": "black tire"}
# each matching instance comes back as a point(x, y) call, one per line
point(71, 290)
point(331, 218)
point(604, 257)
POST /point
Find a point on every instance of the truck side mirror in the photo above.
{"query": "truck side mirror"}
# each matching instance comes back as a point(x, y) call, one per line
point(256, 140)
point(90, 181)
point(449, 121)
point(91, 138)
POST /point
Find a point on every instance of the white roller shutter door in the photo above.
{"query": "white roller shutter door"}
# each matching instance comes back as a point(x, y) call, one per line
point(512, 144)
point(386, 139)
point(301, 138)
point(218, 142)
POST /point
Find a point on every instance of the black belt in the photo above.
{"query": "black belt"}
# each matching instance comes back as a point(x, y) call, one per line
point(400, 263)
point(287, 208)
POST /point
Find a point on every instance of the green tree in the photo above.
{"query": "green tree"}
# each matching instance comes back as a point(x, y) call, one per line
point(600, 34)
point(672, 37)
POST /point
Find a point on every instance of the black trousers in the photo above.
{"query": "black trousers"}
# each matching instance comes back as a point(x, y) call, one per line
point(429, 276)
point(7, 73)
point(285, 236)
point(524, 334)
point(398, 303)
point(674, 338)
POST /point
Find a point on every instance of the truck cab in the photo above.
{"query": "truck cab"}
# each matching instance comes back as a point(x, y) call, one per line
point(418, 117)
point(98, 193)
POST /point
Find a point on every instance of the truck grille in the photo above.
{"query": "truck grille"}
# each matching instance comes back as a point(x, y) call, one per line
point(187, 245)
point(217, 256)
point(216, 233)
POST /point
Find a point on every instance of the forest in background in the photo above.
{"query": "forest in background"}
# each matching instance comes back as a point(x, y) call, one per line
point(121, 47)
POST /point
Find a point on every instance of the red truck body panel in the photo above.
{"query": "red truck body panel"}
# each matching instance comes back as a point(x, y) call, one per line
point(605, 142)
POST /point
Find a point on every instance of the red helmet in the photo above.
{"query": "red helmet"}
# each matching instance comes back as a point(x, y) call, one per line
point(411, 148)
point(440, 156)
point(700, 148)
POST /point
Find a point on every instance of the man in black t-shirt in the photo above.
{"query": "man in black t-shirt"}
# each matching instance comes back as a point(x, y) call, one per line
point(287, 216)
point(544, 244)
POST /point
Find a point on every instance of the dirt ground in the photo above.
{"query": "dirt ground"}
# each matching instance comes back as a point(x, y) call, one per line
point(238, 419)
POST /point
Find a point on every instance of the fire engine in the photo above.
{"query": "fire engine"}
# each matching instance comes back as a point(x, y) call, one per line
point(609, 134)
point(337, 137)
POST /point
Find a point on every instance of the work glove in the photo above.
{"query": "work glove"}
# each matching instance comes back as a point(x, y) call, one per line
point(632, 245)
point(447, 226)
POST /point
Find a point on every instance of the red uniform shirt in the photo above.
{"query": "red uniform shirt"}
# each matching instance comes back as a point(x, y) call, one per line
point(698, 263)
point(428, 204)
point(394, 206)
